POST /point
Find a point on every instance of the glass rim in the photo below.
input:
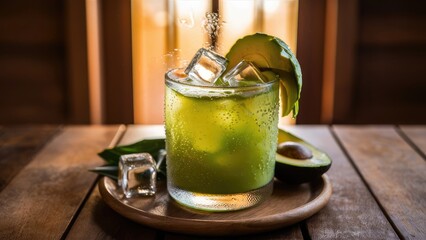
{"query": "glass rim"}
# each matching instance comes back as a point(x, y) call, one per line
point(220, 88)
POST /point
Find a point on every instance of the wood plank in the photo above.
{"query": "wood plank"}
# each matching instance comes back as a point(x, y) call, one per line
point(417, 135)
point(117, 47)
point(32, 61)
point(394, 172)
point(352, 212)
point(98, 221)
point(390, 34)
point(395, 29)
point(345, 72)
point(381, 93)
point(392, 23)
point(311, 25)
point(26, 22)
point(42, 199)
point(42, 74)
point(18, 146)
point(78, 107)
point(292, 232)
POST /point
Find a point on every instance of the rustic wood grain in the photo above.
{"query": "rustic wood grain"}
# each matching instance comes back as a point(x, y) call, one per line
point(394, 172)
point(42, 199)
point(97, 220)
point(18, 146)
point(292, 232)
point(352, 212)
point(417, 135)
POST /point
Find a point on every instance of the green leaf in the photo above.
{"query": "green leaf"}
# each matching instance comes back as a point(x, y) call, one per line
point(151, 146)
point(112, 156)
point(107, 170)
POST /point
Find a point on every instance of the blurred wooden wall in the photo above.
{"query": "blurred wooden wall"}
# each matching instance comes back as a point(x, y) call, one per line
point(33, 63)
point(390, 84)
point(364, 67)
point(44, 75)
point(363, 61)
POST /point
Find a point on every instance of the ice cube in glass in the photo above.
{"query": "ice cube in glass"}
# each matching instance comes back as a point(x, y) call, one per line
point(138, 174)
point(206, 67)
point(244, 73)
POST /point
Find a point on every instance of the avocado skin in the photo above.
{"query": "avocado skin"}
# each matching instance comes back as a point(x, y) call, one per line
point(270, 53)
point(300, 173)
point(297, 175)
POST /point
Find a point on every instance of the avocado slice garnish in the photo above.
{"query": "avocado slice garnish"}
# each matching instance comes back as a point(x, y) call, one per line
point(270, 53)
point(298, 161)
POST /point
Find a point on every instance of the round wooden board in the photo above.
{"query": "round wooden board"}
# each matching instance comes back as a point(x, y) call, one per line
point(287, 205)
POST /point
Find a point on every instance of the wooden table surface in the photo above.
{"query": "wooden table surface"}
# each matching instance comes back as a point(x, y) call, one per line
point(46, 191)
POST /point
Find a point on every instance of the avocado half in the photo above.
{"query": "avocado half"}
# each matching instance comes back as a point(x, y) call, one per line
point(270, 53)
point(295, 170)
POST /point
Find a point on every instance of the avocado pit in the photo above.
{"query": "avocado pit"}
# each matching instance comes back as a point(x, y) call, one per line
point(298, 161)
point(294, 150)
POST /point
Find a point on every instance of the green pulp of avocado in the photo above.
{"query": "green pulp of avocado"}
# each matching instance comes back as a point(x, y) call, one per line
point(270, 53)
point(300, 170)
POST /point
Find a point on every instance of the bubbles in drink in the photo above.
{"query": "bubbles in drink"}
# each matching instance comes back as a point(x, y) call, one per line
point(212, 24)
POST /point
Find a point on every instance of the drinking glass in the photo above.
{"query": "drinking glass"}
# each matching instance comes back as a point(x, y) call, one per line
point(221, 144)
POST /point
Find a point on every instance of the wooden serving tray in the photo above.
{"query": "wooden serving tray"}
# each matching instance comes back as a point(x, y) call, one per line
point(287, 205)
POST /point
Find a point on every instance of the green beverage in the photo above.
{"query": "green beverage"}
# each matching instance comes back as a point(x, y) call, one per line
point(221, 141)
point(221, 117)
